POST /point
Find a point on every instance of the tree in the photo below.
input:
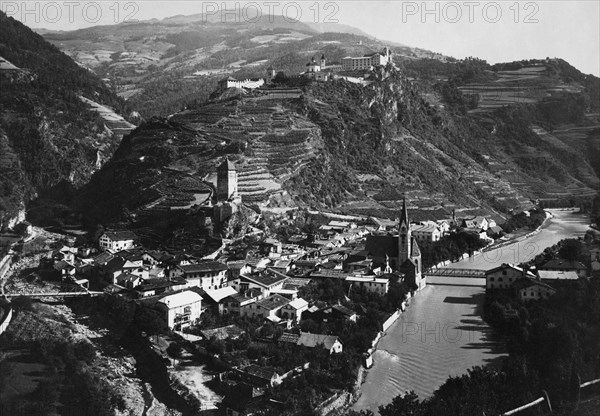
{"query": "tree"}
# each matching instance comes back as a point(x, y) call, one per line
point(174, 350)
point(407, 405)
point(150, 321)
point(571, 249)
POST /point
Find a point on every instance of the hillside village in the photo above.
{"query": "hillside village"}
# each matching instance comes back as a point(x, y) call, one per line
point(281, 300)
point(294, 294)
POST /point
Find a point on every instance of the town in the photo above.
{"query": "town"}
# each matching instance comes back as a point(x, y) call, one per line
point(283, 217)
point(336, 289)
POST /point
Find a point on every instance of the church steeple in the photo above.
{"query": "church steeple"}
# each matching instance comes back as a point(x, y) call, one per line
point(404, 235)
point(404, 215)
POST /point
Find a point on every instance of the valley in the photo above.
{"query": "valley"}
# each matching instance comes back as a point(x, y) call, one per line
point(243, 218)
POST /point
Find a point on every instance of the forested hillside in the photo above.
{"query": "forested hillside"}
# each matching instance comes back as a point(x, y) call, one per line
point(47, 134)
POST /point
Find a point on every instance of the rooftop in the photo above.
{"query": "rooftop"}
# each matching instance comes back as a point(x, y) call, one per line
point(298, 303)
point(266, 279)
point(205, 266)
point(218, 295)
point(312, 340)
point(557, 275)
point(120, 235)
point(181, 299)
point(273, 302)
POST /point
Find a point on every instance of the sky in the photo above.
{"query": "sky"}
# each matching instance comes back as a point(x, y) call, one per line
point(497, 31)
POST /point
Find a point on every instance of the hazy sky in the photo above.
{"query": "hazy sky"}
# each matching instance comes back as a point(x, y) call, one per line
point(498, 31)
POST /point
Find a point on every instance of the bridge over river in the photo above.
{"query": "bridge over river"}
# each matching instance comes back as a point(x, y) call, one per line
point(465, 273)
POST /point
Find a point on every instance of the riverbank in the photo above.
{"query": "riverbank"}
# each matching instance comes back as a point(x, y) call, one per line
point(442, 333)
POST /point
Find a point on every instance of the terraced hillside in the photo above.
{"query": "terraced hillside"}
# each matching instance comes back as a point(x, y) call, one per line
point(275, 141)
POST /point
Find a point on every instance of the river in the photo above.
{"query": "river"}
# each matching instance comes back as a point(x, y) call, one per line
point(442, 333)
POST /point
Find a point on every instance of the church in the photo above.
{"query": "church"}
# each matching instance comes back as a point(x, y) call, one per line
point(402, 250)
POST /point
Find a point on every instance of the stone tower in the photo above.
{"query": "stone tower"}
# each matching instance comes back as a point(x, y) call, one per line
point(227, 181)
point(323, 61)
point(270, 74)
point(404, 236)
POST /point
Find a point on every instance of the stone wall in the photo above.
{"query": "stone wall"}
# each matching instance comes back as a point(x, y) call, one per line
point(335, 402)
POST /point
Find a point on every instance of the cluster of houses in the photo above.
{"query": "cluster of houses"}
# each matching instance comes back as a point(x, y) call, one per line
point(534, 284)
point(264, 285)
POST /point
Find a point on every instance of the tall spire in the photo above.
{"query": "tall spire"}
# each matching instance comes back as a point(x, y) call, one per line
point(404, 235)
point(404, 215)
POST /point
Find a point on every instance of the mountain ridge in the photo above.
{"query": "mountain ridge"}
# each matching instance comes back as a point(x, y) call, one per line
point(48, 135)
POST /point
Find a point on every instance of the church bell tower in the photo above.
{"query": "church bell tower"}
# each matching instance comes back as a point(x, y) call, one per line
point(404, 236)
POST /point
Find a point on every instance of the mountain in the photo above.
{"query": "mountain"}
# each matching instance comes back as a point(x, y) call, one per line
point(49, 130)
point(159, 65)
point(356, 149)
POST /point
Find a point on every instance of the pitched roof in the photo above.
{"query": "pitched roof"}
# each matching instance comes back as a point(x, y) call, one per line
point(298, 303)
point(529, 282)
point(505, 266)
point(273, 302)
point(563, 264)
point(404, 215)
point(414, 248)
point(265, 373)
point(227, 165)
point(344, 310)
point(103, 258)
point(557, 275)
point(204, 266)
point(120, 235)
point(181, 299)
point(266, 279)
point(312, 340)
point(217, 295)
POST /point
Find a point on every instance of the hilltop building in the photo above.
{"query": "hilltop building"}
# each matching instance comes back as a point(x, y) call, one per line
point(248, 83)
point(367, 62)
point(320, 71)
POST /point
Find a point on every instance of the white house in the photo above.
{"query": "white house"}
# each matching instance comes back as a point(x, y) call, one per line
point(502, 277)
point(206, 274)
point(426, 232)
point(294, 309)
point(267, 308)
point(181, 309)
point(371, 283)
point(117, 240)
point(535, 290)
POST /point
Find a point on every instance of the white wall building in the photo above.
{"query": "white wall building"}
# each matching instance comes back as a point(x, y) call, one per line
point(502, 277)
point(181, 309)
point(370, 283)
point(117, 240)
